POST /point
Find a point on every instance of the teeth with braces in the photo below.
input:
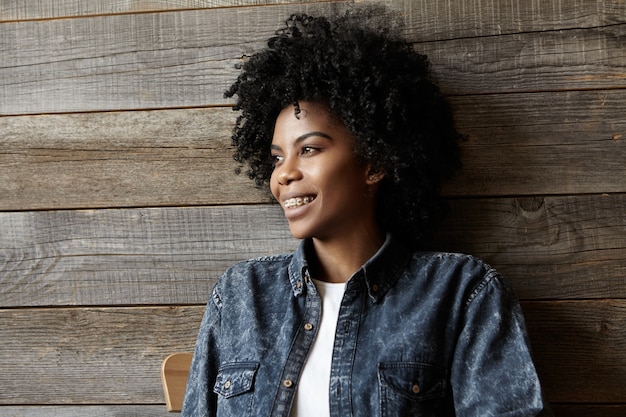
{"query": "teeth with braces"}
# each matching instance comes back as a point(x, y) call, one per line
point(298, 201)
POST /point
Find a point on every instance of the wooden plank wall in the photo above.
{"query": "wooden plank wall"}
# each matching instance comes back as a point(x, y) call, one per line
point(119, 207)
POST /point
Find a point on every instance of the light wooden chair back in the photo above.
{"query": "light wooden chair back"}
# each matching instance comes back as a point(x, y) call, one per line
point(174, 372)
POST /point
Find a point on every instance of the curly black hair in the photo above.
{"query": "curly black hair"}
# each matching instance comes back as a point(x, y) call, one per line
point(381, 90)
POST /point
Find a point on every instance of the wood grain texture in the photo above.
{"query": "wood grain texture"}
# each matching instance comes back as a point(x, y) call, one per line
point(113, 355)
point(121, 159)
point(91, 356)
point(187, 58)
point(425, 20)
point(142, 256)
point(556, 247)
point(174, 375)
point(529, 62)
point(183, 157)
point(85, 411)
point(578, 347)
point(589, 410)
point(551, 247)
point(570, 142)
point(132, 61)
point(20, 10)
point(437, 20)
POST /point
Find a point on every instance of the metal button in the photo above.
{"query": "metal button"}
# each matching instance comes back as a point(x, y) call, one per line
point(308, 326)
point(288, 383)
point(227, 384)
point(375, 288)
point(415, 389)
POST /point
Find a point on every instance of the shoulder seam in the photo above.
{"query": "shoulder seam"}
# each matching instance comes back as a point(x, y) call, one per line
point(489, 276)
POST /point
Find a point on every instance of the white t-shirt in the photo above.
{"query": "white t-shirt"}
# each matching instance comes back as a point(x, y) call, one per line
point(312, 395)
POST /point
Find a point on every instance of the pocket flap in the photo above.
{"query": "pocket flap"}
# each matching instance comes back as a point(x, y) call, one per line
point(235, 378)
point(418, 381)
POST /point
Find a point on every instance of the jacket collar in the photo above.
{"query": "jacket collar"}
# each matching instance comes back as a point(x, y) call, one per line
point(377, 275)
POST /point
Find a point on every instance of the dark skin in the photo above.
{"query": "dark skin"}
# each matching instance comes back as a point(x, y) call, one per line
point(326, 193)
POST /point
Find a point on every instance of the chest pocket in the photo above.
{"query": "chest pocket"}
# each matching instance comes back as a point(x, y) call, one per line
point(410, 388)
point(235, 378)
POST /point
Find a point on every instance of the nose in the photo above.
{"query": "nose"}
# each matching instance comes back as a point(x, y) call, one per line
point(288, 171)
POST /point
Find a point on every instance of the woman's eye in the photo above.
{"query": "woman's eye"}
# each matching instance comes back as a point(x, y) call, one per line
point(276, 158)
point(308, 150)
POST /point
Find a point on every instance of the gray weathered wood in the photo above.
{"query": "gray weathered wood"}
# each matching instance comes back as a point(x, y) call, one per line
point(113, 355)
point(19, 10)
point(425, 20)
point(552, 247)
point(85, 411)
point(91, 356)
point(131, 61)
point(121, 159)
point(557, 247)
point(559, 60)
point(570, 142)
point(518, 144)
point(187, 58)
point(142, 256)
point(437, 20)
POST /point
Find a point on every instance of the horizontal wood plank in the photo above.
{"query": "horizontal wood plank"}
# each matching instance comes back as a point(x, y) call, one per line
point(113, 355)
point(187, 58)
point(91, 356)
point(183, 157)
point(589, 410)
point(425, 20)
point(552, 143)
point(20, 10)
point(556, 247)
point(121, 159)
point(579, 349)
point(551, 247)
point(528, 62)
point(438, 20)
point(143, 256)
point(132, 61)
point(85, 411)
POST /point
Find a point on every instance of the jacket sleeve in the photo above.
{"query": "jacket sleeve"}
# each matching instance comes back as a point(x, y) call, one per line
point(492, 372)
point(200, 400)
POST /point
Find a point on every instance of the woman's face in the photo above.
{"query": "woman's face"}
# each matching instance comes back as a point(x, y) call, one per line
point(324, 191)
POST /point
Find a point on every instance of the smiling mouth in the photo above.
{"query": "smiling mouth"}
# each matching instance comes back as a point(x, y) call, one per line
point(297, 201)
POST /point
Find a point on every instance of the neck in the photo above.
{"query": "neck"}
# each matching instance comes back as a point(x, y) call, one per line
point(338, 259)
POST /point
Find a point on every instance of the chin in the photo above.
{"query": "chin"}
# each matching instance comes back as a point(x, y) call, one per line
point(299, 232)
point(299, 235)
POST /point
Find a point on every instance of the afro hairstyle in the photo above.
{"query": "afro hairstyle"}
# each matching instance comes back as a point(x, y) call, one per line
point(373, 81)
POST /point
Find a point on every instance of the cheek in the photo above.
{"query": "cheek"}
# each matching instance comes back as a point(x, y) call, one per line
point(274, 185)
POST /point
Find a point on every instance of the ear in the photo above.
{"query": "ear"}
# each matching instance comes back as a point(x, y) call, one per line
point(374, 175)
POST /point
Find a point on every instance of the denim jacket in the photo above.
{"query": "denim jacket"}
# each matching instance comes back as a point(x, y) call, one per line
point(418, 334)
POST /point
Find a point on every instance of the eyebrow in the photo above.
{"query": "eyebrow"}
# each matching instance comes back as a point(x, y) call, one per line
point(305, 136)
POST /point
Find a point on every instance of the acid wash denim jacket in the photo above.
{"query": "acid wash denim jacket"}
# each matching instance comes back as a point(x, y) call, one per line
point(419, 334)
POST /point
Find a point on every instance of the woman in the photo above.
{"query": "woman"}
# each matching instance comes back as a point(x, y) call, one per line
point(343, 122)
